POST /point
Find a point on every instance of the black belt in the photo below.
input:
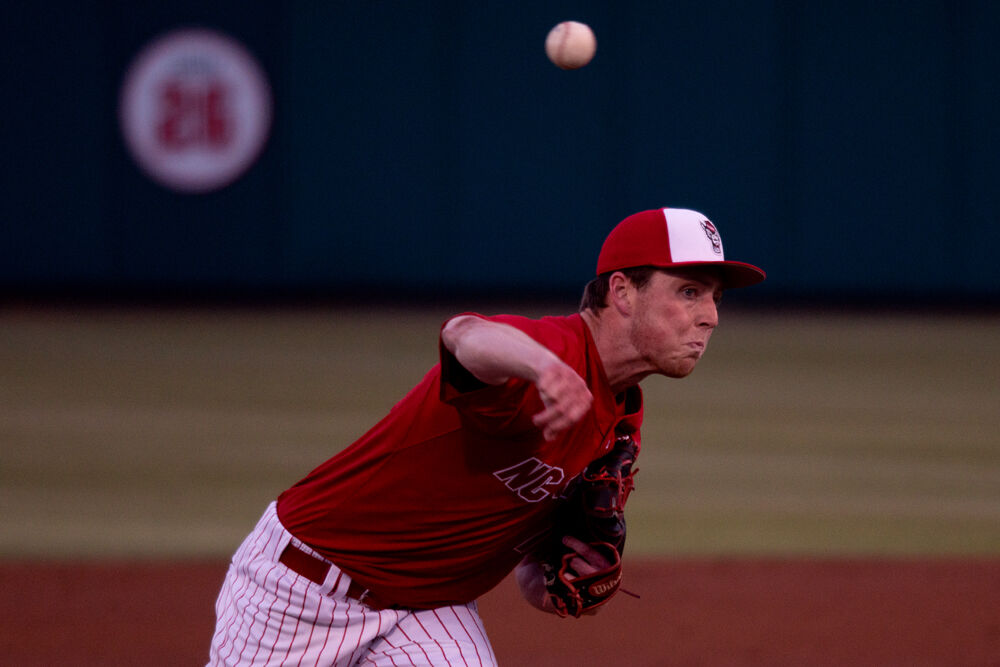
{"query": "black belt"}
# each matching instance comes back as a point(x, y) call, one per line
point(315, 570)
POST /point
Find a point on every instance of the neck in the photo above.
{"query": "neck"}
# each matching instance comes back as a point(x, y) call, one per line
point(621, 365)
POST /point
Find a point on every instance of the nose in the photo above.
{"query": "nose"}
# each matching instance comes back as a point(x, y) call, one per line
point(709, 315)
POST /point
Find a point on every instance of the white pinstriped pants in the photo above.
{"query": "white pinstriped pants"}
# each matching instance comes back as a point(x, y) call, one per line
point(266, 614)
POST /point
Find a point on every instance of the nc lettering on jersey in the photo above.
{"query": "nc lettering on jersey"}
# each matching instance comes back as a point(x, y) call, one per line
point(531, 479)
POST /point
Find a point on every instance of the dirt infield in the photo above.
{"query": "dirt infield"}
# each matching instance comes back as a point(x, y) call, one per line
point(720, 612)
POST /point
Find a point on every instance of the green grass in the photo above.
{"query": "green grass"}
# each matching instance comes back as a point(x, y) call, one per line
point(165, 432)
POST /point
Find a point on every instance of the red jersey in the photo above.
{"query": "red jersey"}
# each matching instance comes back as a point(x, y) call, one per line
point(440, 500)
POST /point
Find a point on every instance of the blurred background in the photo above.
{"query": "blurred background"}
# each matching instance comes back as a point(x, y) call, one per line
point(304, 190)
point(849, 148)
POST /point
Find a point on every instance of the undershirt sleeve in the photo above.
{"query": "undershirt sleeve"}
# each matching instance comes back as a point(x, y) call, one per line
point(457, 375)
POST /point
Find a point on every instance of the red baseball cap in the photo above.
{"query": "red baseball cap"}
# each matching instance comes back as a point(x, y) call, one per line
point(669, 238)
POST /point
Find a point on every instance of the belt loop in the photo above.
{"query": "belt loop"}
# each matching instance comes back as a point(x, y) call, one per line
point(336, 582)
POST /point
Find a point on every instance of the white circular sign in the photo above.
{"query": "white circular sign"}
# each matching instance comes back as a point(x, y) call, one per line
point(195, 110)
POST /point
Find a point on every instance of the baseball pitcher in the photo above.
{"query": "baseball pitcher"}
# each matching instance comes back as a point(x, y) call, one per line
point(516, 451)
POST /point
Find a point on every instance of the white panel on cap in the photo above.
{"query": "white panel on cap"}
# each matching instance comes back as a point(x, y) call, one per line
point(693, 238)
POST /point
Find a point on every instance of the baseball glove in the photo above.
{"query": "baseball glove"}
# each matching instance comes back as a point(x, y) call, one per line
point(593, 511)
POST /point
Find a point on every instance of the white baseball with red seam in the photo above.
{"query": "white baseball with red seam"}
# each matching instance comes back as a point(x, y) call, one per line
point(570, 45)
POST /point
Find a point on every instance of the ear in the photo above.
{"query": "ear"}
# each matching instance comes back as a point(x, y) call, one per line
point(621, 293)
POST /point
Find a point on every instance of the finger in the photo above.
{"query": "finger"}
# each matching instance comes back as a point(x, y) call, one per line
point(552, 424)
point(579, 546)
point(558, 417)
point(562, 390)
point(582, 567)
point(588, 554)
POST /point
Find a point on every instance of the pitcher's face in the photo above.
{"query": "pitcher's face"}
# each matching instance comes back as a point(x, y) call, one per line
point(675, 314)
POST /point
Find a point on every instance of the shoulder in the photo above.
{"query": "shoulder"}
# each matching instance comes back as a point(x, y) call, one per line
point(568, 328)
point(553, 331)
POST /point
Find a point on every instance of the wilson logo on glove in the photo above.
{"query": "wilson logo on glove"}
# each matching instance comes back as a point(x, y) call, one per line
point(606, 588)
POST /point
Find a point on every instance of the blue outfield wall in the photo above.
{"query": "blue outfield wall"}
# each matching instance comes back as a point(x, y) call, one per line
point(849, 148)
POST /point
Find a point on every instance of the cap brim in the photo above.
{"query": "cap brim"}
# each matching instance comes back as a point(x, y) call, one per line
point(733, 274)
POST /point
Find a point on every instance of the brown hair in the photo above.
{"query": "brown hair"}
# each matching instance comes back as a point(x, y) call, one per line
point(595, 294)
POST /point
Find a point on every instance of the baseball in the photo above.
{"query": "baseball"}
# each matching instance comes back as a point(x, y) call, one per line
point(570, 45)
